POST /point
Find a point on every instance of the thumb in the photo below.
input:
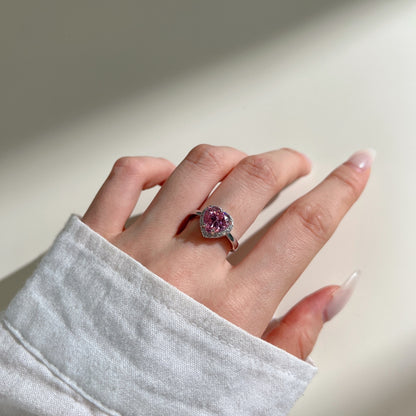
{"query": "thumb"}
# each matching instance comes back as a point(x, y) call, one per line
point(298, 330)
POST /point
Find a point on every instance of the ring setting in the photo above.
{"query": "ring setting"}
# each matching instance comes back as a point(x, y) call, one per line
point(214, 222)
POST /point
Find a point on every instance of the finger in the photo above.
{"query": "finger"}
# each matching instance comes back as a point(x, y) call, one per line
point(188, 187)
point(118, 196)
point(298, 331)
point(294, 239)
point(250, 186)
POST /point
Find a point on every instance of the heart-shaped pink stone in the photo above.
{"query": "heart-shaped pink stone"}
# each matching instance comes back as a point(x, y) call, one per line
point(215, 222)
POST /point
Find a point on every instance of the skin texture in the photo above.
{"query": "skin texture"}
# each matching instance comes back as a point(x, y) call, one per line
point(247, 294)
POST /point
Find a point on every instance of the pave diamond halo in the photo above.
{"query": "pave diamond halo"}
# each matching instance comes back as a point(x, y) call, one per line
point(214, 222)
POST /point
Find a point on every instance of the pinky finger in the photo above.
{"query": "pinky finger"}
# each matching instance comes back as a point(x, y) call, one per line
point(298, 330)
point(119, 194)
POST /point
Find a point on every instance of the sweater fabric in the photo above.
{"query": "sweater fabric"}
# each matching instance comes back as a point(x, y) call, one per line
point(94, 332)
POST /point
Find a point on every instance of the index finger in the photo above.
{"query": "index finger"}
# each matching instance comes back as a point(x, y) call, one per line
point(290, 244)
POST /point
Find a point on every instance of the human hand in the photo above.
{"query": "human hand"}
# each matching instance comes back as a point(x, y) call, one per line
point(246, 294)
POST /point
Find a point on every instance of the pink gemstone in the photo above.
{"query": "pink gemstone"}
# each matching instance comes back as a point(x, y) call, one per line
point(215, 220)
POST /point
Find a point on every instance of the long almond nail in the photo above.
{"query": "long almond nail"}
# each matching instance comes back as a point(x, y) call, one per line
point(363, 159)
point(341, 296)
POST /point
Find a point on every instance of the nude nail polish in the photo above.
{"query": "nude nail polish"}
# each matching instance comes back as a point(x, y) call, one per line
point(363, 159)
point(341, 296)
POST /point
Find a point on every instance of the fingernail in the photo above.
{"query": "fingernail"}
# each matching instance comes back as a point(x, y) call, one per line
point(341, 296)
point(363, 159)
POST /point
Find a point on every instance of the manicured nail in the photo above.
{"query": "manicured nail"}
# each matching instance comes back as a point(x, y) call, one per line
point(363, 159)
point(341, 296)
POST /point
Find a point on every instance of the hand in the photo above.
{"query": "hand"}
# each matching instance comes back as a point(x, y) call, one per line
point(247, 294)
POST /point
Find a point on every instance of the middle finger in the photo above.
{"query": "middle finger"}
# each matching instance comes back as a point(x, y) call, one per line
point(248, 188)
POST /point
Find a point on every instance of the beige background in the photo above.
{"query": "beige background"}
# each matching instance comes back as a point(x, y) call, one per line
point(83, 83)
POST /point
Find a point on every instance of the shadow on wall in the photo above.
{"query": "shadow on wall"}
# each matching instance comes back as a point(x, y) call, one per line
point(397, 398)
point(12, 283)
point(62, 60)
point(403, 403)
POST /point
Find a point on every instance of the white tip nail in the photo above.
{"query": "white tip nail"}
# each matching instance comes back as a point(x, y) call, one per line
point(341, 296)
point(363, 159)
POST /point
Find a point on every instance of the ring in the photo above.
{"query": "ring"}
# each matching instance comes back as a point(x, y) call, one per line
point(216, 223)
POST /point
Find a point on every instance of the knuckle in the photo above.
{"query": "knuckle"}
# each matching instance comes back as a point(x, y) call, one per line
point(261, 168)
point(128, 165)
point(314, 218)
point(350, 183)
point(205, 156)
point(306, 341)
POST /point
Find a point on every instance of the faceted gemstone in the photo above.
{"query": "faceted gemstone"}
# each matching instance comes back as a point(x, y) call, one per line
point(215, 221)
